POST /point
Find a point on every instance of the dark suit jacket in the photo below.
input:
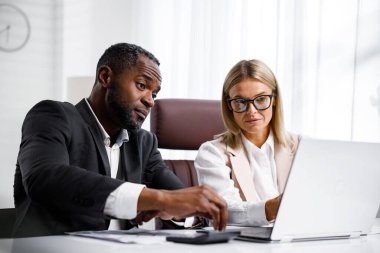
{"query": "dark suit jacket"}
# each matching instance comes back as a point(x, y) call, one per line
point(62, 177)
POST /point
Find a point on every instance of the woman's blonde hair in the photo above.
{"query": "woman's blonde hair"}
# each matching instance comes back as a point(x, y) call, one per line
point(252, 69)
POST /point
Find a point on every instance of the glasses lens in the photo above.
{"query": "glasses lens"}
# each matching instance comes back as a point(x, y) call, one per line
point(239, 105)
point(262, 102)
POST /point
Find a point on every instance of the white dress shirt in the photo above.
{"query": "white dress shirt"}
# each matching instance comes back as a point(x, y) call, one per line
point(212, 170)
point(122, 202)
point(263, 166)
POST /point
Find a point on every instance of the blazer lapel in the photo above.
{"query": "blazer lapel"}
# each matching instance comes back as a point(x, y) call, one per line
point(242, 174)
point(96, 133)
point(130, 163)
point(284, 159)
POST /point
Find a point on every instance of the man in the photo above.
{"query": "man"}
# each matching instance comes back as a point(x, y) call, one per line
point(78, 166)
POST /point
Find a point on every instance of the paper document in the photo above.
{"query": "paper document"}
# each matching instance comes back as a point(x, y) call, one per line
point(134, 235)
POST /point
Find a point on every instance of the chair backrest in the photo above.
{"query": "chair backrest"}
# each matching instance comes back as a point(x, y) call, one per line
point(184, 124)
point(7, 220)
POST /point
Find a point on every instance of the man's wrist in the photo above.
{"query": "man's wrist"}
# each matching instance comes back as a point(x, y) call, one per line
point(151, 199)
point(160, 198)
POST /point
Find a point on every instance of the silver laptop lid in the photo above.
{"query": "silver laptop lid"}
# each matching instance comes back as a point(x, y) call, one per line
point(333, 191)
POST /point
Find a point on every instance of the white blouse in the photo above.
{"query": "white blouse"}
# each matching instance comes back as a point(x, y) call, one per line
point(212, 170)
point(263, 167)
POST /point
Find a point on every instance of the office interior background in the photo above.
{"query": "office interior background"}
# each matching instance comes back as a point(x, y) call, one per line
point(325, 54)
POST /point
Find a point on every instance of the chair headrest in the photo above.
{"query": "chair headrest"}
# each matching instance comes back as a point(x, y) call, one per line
point(185, 123)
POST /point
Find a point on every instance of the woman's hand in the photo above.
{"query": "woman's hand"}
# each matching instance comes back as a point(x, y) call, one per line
point(271, 208)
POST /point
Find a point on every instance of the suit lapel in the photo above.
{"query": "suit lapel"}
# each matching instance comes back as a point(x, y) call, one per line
point(242, 174)
point(284, 159)
point(243, 177)
point(283, 163)
point(130, 163)
point(96, 133)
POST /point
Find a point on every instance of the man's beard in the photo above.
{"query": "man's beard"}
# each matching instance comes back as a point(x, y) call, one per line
point(122, 112)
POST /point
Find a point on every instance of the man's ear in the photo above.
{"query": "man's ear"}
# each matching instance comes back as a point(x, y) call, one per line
point(105, 76)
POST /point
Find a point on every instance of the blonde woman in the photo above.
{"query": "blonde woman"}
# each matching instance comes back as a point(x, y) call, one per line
point(249, 164)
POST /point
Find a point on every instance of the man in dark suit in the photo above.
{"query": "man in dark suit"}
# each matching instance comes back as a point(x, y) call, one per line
point(79, 166)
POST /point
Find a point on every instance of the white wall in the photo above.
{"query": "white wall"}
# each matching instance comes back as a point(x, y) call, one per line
point(26, 77)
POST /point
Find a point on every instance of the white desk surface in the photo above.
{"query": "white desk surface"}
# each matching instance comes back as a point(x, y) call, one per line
point(72, 244)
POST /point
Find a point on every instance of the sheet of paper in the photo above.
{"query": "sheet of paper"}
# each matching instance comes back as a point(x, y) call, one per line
point(134, 235)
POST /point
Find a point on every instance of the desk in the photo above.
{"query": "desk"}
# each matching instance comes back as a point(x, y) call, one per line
point(72, 244)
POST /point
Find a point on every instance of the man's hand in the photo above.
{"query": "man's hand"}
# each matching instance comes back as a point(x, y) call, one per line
point(194, 201)
point(271, 208)
point(145, 216)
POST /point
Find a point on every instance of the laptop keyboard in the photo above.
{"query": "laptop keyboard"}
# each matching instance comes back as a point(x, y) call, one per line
point(257, 232)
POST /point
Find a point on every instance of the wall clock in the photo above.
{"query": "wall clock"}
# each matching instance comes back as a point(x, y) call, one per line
point(14, 28)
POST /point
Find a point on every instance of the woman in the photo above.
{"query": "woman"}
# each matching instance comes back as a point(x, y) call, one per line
point(248, 165)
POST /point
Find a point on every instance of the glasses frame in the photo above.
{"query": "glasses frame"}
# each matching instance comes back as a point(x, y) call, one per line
point(250, 101)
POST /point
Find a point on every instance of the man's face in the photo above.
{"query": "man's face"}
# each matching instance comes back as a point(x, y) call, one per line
point(131, 94)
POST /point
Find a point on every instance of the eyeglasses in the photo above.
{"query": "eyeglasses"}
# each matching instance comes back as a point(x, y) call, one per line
point(261, 103)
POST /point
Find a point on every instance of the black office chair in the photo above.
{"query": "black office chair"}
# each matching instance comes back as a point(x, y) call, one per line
point(7, 220)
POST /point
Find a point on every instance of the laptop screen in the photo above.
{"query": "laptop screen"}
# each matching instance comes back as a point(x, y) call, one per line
point(332, 190)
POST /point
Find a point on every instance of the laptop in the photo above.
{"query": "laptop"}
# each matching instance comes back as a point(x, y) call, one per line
point(333, 191)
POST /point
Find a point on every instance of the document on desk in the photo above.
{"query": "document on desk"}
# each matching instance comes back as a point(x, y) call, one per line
point(134, 235)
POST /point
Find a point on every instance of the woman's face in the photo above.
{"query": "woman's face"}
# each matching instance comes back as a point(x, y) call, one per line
point(252, 122)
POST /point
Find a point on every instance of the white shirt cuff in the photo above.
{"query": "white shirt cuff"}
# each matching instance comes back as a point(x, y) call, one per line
point(251, 214)
point(257, 213)
point(122, 202)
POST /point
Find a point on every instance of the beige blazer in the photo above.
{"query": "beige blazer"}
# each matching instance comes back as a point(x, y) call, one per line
point(241, 173)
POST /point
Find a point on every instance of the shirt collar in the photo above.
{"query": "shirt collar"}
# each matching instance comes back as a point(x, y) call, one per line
point(268, 144)
point(270, 140)
point(121, 138)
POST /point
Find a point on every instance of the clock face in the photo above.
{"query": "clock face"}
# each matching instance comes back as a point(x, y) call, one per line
point(14, 28)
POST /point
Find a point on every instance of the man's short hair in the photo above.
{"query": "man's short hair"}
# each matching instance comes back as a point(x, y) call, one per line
point(122, 56)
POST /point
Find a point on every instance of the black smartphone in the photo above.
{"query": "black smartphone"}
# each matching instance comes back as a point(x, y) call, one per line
point(203, 237)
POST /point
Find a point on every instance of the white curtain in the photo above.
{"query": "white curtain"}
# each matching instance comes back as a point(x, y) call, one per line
point(333, 91)
point(326, 54)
